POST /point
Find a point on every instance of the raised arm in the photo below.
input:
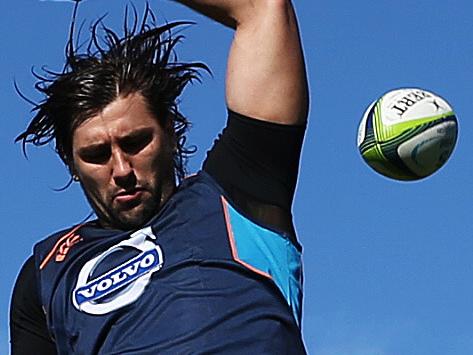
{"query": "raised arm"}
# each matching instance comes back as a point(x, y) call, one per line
point(266, 77)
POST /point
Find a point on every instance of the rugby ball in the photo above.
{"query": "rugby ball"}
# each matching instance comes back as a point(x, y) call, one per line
point(407, 134)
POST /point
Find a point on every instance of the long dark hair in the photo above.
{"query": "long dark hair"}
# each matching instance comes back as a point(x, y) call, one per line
point(142, 61)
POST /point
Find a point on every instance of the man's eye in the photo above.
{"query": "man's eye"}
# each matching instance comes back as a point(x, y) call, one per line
point(135, 144)
point(96, 156)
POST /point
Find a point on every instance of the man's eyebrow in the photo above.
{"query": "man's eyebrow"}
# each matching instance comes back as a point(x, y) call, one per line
point(136, 132)
point(135, 135)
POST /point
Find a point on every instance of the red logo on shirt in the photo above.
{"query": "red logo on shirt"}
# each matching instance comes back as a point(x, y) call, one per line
point(66, 246)
point(62, 246)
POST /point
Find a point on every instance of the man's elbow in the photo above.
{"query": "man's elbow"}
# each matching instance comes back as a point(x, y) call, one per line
point(255, 10)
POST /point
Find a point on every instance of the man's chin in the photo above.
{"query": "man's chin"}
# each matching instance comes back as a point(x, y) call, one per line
point(133, 219)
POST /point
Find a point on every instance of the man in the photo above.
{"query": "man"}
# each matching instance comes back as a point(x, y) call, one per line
point(209, 266)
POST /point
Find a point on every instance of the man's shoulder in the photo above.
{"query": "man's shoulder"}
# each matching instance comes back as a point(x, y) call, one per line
point(53, 237)
point(56, 245)
point(198, 181)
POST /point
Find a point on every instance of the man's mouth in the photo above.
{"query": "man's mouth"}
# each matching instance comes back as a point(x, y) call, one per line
point(129, 196)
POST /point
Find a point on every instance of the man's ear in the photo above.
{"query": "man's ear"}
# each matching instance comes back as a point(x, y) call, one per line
point(73, 171)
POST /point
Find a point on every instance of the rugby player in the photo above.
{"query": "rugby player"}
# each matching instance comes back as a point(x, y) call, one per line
point(208, 263)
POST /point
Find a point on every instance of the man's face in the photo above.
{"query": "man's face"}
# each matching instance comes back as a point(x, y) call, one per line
point(124, 160)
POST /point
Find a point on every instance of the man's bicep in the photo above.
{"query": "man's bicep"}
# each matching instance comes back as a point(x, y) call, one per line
point(266, 76)
point(28, 329)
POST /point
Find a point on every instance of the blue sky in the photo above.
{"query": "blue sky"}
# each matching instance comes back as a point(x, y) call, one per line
point(388, 265)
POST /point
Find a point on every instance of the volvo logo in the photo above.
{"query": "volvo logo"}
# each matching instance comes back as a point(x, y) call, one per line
point(123, 284)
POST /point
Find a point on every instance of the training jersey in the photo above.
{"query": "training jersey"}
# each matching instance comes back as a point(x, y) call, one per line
point(203, 276)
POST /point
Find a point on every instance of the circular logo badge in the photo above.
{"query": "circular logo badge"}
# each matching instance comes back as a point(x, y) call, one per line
point(123, 284)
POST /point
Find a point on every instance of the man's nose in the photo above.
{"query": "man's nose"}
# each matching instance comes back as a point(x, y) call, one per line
point(122, 168)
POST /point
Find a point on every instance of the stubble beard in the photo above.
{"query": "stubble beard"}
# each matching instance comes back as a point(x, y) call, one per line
point(137, 216)
point(113, 217)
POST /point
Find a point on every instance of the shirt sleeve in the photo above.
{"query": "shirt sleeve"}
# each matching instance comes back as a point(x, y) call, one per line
point(258, 158)
point(256, 162)
point(28, 329)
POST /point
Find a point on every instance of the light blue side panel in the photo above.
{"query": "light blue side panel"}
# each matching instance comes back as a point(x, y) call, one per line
point(271, 253)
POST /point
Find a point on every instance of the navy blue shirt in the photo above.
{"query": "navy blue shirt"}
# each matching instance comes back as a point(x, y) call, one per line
point(218, 270)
